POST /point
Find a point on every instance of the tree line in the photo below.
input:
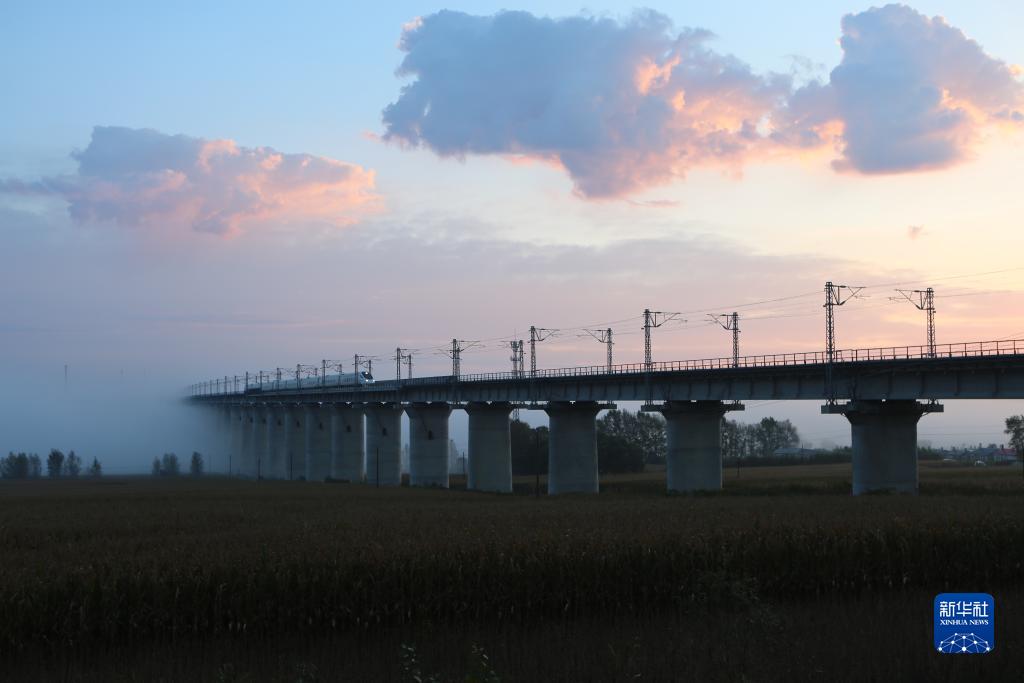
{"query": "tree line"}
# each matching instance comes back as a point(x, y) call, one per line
point(757, 440)
point(627, 442)
point(58, 465)
point(168, 465)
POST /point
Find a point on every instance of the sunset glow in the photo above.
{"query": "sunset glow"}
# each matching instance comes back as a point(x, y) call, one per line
point(308, 185)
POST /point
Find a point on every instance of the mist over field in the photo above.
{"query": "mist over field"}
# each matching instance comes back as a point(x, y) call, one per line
point(124, 421)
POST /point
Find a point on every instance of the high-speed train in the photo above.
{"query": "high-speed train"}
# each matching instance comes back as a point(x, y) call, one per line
point(343, 380)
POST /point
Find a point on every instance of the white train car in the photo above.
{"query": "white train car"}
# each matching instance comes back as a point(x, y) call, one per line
point(350, 379)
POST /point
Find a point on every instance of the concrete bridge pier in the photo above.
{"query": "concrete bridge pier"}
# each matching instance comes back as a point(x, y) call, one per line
point(260, 438)
point(277, 445)
point(384, 444)
point(225, 436)
point(318, 442)
point(235, 452)
point(572, 447)
point(247, 453)
point(295, 439)
point(693, 431)
point(884, 439)
point(428, 444)
point(348, 453)
point(490, 447)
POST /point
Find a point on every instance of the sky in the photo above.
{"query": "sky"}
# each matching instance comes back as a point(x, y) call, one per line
point(202, 189)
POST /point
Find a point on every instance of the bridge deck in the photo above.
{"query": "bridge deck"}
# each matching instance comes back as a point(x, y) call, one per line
point(971, 370)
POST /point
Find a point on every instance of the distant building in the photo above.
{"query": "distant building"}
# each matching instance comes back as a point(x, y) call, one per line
point(992, 454)
point(1003, 455)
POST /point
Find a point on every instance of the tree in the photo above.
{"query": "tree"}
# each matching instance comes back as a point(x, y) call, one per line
point(195, 468)
point(616, 452)
point(759, 440)
point(156, 467)
point(22, 466)
point(771, 435)
point(1015, 429)
point(95, 469)
point(14, 466)
point(72, 465)
point(653, 438)
point(169, 465)
point(35, 466)
point(529, 448)
point(645, 431)
point(55, 464)
point(733, 439)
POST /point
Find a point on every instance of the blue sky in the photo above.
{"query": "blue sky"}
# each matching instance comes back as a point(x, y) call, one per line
point(315, 76)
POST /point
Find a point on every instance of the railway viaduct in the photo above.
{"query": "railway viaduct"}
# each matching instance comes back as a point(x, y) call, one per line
point(317, 430)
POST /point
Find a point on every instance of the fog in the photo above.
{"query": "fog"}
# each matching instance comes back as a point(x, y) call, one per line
point(124, 419)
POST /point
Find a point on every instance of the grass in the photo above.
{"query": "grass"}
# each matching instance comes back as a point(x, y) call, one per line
point(93, 572)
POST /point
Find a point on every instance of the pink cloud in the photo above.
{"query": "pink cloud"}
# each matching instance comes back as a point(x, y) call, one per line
point(141, 178)
point(623, 106)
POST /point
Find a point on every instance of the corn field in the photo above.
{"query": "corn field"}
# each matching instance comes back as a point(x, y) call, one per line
point(134, 559)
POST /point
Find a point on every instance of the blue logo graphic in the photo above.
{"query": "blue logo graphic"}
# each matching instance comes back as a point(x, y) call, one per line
point(965, 623)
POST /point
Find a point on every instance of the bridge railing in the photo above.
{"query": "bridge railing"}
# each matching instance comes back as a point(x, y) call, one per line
point(1004, 347)
point(957, 350)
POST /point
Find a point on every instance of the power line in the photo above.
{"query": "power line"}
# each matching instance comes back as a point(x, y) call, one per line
point(537, 334)
point(731, 324)
point(788, 304)
point(669, 329)
point(517, 366)
point(653, 319)
point(606, 323)
point(835, 295)
point(989, 293)
point(709, 309)
point(815, 312)
point(924, 301)
point(517, 358)
point(793, 297)
point(605, 337)
point(455, 353)
point(943, 279)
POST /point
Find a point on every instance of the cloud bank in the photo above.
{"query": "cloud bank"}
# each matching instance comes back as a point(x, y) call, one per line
point(626, 105)
point(141, 178)
point(912, 93)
